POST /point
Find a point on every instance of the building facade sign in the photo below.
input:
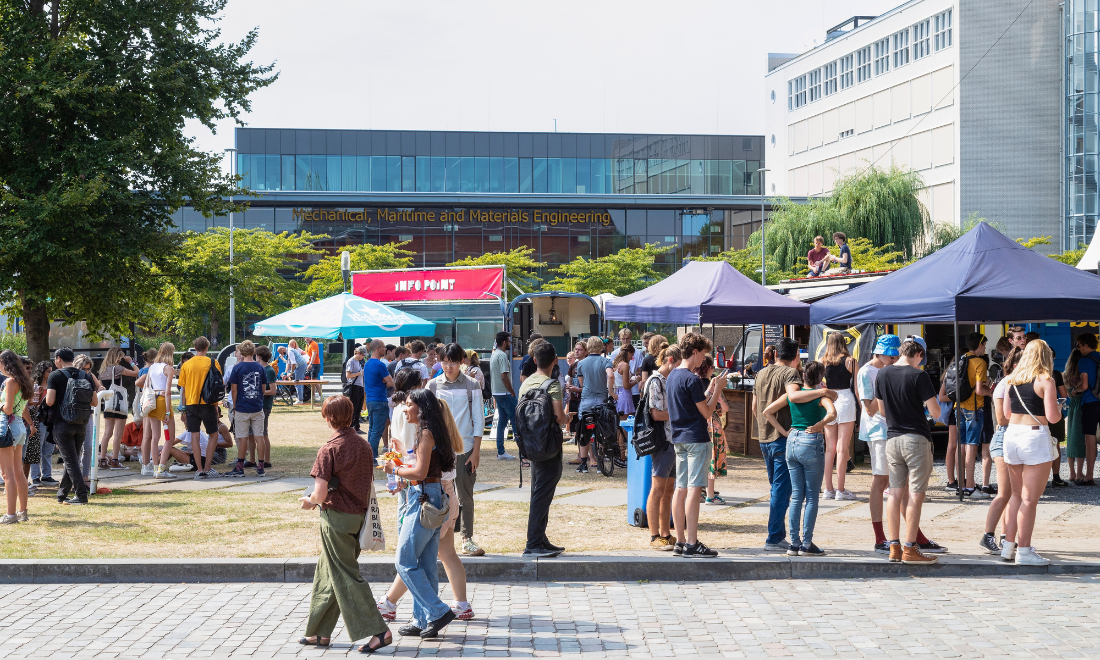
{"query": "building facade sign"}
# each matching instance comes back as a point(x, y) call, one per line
point(429, 284)
point(537, 216)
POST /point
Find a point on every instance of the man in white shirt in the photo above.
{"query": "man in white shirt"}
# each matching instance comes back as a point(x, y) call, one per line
point(463, 395)
point(872, 430)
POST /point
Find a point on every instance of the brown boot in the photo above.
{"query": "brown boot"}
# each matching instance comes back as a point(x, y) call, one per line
point(912, 555)
point(895, 552)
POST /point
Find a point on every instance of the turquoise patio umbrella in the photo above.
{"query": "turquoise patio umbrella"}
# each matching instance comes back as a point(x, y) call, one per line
point(345, 314)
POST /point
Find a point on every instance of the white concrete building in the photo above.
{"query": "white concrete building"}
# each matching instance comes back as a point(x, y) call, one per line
point(943, 87)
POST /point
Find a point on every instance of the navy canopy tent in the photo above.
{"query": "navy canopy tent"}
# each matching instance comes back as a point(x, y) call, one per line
point(982, 277)
point(707, 292)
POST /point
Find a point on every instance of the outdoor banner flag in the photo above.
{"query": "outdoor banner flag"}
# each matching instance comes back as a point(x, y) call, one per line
point(429, 284)
point(860, 339)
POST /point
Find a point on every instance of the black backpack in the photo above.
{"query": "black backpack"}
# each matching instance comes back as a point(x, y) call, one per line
point(649, 434)
point(1095, 387)
point(954, 384)
point(537, 428)
point(213, 387)
point(76, 405)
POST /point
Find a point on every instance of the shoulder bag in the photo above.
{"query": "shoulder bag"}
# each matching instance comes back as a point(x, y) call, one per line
point(119, 403)
point(1053, 441)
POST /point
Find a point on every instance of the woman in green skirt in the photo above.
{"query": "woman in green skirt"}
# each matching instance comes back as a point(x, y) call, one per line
point(1075, 440)
point(342, 475)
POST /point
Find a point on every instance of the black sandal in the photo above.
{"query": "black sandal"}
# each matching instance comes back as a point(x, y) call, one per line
point(382, 643)
point(304, 641)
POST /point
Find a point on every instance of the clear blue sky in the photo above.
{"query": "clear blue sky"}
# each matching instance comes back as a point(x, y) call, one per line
point(641, 66)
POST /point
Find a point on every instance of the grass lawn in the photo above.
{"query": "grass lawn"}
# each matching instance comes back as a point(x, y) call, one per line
point(222, 524)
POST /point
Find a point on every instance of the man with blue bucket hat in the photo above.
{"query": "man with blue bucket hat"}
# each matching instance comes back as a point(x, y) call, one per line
point(872, 430)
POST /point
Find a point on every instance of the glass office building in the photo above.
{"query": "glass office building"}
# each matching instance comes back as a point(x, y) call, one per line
point(451, 194)
point(1082, 83)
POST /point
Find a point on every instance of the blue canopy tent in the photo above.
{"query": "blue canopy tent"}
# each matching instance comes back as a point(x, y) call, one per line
point(707, 292)
point(345, 314)
point(982, 277)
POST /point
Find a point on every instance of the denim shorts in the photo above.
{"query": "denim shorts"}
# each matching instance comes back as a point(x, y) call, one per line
point(692, 464)
point(664, 463)
point(970, 425)
point(997, 445)
point(18, 429)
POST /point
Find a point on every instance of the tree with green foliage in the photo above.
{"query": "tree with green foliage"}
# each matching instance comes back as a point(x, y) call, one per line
point(747, 261)
point(194, 298)
point(325, 278)
point(879, 205)
point(519, 264)
point(94, 152)
point(620, 274)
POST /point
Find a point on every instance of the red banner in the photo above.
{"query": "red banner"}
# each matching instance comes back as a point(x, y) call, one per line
point(429, 284)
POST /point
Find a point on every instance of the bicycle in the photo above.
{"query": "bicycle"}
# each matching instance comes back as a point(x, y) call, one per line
point(605, 447)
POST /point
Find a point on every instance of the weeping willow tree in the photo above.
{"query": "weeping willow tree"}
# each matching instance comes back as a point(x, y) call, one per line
point(878, 205)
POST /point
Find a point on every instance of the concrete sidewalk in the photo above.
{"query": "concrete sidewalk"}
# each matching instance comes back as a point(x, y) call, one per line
point(611, 567)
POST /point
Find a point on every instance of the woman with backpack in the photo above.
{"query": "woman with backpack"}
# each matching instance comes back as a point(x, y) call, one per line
point(418, 544)
point(18, 389)
point(115, 365)
point(159, 378)
point(839, 368)
point(1031, 405)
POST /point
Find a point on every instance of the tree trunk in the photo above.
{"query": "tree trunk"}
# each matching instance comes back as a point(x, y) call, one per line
point(37, 324)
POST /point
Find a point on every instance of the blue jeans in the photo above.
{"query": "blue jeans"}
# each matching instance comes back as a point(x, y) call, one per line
point(18, 430)
point(417, 551)
point(806, 462)
point(971, 424)
point(300, 374)
point(506, 407)
point(378, 413)
point(775, 460)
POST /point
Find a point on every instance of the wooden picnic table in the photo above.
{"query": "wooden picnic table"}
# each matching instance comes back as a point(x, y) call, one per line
point(291, 383)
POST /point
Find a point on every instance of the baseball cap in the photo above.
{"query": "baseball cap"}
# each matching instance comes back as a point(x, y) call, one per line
point(888, 345)
point(923, 344)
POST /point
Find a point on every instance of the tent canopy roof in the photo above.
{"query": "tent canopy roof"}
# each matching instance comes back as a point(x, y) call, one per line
point(707, 292)
point(981, 277)
point(347, 314)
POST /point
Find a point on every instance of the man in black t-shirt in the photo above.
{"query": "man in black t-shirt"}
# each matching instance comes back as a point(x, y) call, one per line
point(69, 438)
point(902, 391)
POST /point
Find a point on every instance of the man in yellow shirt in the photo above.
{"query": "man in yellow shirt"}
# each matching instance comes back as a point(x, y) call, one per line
point(970, 413)
point(200, 413)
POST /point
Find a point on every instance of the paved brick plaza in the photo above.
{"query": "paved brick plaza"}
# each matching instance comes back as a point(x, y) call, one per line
point(941, 617)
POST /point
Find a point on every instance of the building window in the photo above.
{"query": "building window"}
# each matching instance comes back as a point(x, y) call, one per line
point(901, 48)
point(830, 78)
point(943, 30)
point(815, 85)
point(846, 78)
point(848, 133)
point(922, 33)
point(863, 64)
point(882, 56)
point(796, 93)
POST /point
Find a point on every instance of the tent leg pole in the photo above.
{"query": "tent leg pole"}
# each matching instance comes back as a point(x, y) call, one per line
point(961, 479)
point(743, 341)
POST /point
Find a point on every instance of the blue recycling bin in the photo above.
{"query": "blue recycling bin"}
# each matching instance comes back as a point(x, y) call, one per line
point(639, 471)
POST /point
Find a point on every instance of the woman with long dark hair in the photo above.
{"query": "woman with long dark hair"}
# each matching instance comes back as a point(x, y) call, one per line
point(42, 472)
point(18, 389)
point(342, 478)
point(417, 545)
point(1075, 440)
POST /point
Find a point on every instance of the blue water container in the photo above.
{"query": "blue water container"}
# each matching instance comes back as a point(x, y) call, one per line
point(639, 471)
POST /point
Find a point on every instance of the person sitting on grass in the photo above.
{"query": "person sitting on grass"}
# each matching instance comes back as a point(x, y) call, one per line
point(200, 445)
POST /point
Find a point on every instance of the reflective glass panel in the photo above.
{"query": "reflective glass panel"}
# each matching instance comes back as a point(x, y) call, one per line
point(378, 173)
point(454, 181)
point(423, 174)
point(525, 182)
point(569, 175)
point(481, 175)
point(408, 174)
point(597, 175)
point(553, 175)
point(393, 173)
point(496, 175)
point(540, 175)
point(439, 174)
point(288, 173)
point(466, 174)
point(347, 172)
point(511, 174)
point(362, 173)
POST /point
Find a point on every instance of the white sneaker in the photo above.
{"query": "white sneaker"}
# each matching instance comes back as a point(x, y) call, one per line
point(146, 470)
point(505, 457)
point(9, 520)
point(845, 495)
point(886, 494)
point(179, 467)
point(829, 495)
point(1028, 557)
point(388, 611)
point(212, 473)
point(160, 473)
point(979, 494)
point(1008, 551)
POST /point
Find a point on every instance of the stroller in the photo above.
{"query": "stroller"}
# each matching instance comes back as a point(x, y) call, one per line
point(600, 427)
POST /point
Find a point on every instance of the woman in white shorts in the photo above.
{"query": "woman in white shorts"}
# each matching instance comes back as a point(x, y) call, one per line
point(1031, 401)
point(999, 505)
point(839, 367)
